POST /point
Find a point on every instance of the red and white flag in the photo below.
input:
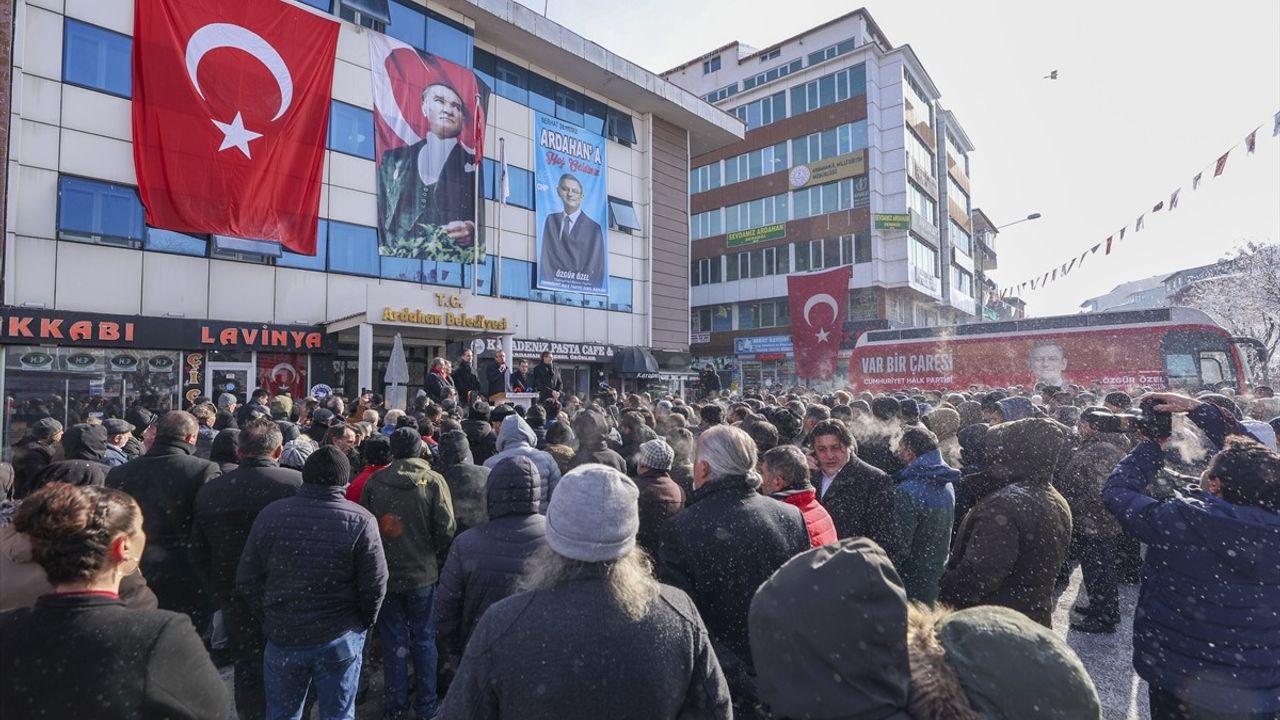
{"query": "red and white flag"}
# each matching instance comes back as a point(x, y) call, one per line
point(230, 114)
point(817, 302)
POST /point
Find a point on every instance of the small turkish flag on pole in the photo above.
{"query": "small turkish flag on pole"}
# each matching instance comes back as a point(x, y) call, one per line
point(230, 114)
point(817, 302)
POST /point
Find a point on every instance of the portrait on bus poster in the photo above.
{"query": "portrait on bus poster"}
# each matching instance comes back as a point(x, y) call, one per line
point(429, 120)
point(572, 205)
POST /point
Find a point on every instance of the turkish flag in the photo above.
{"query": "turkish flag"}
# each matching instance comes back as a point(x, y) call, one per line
point(817, 302)
point(230, 115)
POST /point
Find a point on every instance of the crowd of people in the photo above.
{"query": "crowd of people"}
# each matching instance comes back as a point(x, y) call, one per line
point(755, 555)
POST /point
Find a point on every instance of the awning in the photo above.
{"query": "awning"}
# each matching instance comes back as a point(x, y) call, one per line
point(634, 362)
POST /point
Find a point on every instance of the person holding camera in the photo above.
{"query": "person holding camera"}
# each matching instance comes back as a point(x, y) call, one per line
point(1205, 635)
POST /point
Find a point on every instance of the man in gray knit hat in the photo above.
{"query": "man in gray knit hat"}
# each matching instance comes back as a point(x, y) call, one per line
point(660, 496)
point(590, 601)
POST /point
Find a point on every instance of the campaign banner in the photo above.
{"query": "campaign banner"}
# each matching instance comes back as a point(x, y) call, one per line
point(1109, 359)
point(762, 344)
point(572, 201)
point(429, 120)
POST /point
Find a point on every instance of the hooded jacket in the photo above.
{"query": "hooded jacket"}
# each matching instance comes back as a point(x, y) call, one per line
point(516, 438)
point(165, 482)
point(853, 669)
point(84, 448)
point(1011, 545)
point(591, 430)
point(465, 479)
point(415, 515)
point(817, 521)
point(1081, 478)
point(486, 562)
point(1205, 628)
point(481, 438)
point(925, 498)
point(29, 458)
point(945, 423)
point(1016, 408)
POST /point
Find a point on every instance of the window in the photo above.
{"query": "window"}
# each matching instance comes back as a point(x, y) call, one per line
point(921, 203)
point(408, 24)
point(309, 262)
point(924, 255)
point(961, 282)
point(832, 252)
point(706, 224)
point(822, 199)
point(918, 110)
point(727, 91)
point(512, 81)
point(862, 248)
point(353, 249)
point(768, 55)
point(243, 249)
point(373, 14)
point(705, 271)
point(710, 66)
point(957, 195)
point(721, 318)
point(168, 241)
point(960, 240)
point(836, 87)
point(704, 178)
point(519, 182)
point(622, 215)
point(99, 212)
point(828, 143)
point(620, 294)
point(763, 111)
point(351, 130)
point(827, 53)
point(517, 279)
point(621, 127)
point(96, 58)
point(325, 5)
point(769, 76)
point(756, 163)
point(918, 154)
point(485, 284)
point(756, 213)
point(764, 314)
point(449, 39)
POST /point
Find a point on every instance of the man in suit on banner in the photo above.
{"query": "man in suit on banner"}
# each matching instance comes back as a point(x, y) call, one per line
point(431, 183)
point(572, 244)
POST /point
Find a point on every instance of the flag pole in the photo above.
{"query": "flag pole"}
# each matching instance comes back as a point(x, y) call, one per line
point(502, 200)
point(479, 207)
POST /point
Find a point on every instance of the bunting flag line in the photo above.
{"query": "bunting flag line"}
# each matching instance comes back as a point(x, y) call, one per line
point(1219, 166)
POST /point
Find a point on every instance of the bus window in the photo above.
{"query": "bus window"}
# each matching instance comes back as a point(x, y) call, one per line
point(1216, 367)
point(1182, 372)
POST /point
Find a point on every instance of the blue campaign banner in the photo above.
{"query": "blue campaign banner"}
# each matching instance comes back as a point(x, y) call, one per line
point(572, 202)
point(765, 344)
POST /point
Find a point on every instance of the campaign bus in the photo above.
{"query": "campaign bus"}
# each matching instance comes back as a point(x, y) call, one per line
point(1175, 348)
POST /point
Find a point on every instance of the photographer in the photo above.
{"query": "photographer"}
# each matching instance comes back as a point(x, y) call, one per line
point(1205, 636)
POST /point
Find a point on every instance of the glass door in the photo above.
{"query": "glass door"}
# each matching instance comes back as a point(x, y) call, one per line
point(237, 378)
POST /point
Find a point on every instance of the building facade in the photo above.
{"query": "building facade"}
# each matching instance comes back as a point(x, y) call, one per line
point(848, 159)
point(100, 311)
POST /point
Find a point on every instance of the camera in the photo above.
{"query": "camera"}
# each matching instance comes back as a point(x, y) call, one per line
point(1155, 425)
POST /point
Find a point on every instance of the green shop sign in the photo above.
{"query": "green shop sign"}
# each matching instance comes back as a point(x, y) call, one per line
point(755, 235)
point(893, 221)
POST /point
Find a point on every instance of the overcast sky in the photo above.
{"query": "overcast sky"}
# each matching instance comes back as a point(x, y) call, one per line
point(1148, 95)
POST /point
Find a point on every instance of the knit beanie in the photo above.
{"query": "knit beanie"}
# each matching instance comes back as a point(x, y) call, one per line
point(376, 449)
point(593, 515)
point(281, 406)
point(656, 454)
point(406, 443)
point(44, 428)
point(1005, 665)
point(327, 465)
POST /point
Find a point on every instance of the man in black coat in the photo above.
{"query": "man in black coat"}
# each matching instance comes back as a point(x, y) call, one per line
point(165, 482)
point(314, 573)
point(497, 377)
point(84, 447)
point(486, 562)
point(484, 442)
point(38, 448)
point(438, 384)
point(465, 479)
point(520, 381)
point(226, 508)
point(858, 496)
point(464, 377)
point(546, 378)
point(727, 542)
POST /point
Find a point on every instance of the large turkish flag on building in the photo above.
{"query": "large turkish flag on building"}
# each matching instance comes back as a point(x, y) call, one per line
point(230, 115)
point(817, 302)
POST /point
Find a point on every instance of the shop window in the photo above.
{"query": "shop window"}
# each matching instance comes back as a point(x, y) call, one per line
point(620, 294)
point(309, 262)
point(168, 241)
point(96, 58)
point(622, 215)
point(99, 212)
point(353, 249)
point(351, 130)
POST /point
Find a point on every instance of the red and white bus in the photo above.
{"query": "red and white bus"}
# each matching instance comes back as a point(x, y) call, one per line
point(1176, 348)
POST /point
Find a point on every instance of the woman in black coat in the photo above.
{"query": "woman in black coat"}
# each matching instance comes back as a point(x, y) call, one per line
point(134, 664)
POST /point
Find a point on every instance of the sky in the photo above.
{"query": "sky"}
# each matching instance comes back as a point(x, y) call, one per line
point(1147, 96)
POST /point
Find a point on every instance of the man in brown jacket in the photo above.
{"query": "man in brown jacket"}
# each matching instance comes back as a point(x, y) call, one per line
point(1012, 543)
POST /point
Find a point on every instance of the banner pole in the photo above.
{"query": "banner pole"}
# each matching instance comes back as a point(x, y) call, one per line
point(502, 200)
point(479, 213)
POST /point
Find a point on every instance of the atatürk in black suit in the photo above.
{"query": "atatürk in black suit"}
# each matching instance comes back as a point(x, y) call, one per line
point(577, 260)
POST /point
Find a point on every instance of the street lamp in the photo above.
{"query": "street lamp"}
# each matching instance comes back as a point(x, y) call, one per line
point(1032, 216)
